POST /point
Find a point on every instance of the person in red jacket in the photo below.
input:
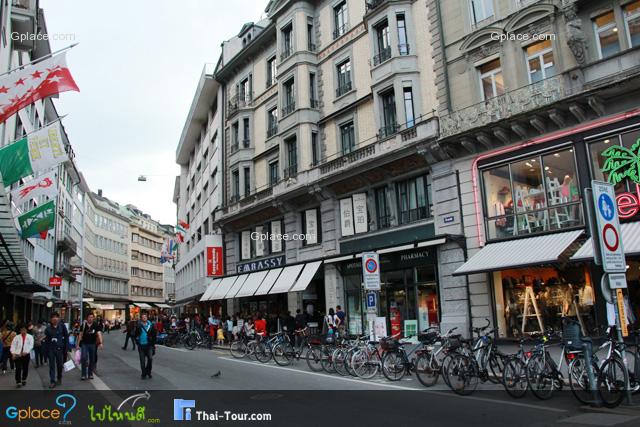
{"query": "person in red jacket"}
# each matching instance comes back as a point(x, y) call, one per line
point(260, 326)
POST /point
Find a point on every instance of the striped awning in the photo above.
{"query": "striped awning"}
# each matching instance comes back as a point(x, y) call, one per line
point(630, 242)
point(524, 252)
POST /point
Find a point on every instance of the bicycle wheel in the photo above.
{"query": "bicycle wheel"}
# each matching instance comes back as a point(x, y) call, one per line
point(393, 367)
point(363, 365)
point(612, 380)
point(496, 368)
point(327, 360)
point(190, 342)
point(238, 349)
point(262, 352)
point(282, 353)
point(463, 375)
point(444, 367)
point(339, 358)
point(348, 362)
point(541, 377)
point(427, 369)
point(579, 380)
point(514, 378)
point(314, 359)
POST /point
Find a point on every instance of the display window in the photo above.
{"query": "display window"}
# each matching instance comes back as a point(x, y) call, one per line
point(531, 300)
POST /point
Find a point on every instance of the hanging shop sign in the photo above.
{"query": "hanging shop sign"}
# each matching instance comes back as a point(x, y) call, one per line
point(360, 216)
point(55, 281)
point(263, 264)
point(346, 217)
point(622, 164)
point(214, 261)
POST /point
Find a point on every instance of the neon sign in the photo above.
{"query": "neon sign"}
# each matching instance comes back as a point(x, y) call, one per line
point(628, 203)
point(623, 163)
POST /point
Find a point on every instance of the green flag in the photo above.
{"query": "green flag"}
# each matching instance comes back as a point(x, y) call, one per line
point(37, 152)
point(38, 220)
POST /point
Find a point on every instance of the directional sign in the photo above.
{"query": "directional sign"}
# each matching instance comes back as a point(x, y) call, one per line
point(371, 271)
point(372, 302)
point(608, 227)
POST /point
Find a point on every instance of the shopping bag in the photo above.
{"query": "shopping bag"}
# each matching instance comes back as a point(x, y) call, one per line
point(77, 356)
point(32, 355)
point(69, 365)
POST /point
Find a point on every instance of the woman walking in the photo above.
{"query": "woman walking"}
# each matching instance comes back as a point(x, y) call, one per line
point(21, 347)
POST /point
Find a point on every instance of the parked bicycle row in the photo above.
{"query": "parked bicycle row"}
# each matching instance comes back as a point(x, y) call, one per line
point(464, 363)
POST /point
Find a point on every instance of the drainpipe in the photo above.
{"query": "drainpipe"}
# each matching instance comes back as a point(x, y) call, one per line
point(445, 71)
point(463, 243)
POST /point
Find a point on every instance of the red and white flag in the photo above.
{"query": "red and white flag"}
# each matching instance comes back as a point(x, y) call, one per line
point(44, 185)
point(33, 82)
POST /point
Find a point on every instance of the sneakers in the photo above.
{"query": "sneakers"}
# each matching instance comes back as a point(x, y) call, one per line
point(24, 383)
point(82, 378)
point(149, 375)
point(143, 377)
point(90, 377)
point(59, 382)
point(52, 385)
point(18, 385)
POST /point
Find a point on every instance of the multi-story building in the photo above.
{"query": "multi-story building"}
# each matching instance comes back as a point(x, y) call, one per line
point(106, 257)
point(198, 189)
point(328, 128)
point(169, 274)
point(536, 99)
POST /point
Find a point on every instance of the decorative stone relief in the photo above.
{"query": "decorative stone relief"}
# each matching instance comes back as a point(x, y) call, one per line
point(576, 38)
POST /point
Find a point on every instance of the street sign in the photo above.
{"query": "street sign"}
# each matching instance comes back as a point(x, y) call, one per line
point(608, 228)
point(372, 302)
point(622, 313)
point(55, 281)
point(617, 281)
point(371, 271)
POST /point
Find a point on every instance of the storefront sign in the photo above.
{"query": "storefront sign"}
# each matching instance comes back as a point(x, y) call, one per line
point(346, 217)
point(106, 306)
point(55, 281)
point(621, 312)
point(410, 328)
point(360, 215)
point(396, 260)
point(311, 221)
point(276, 230)
point(371, 271)
point(263, 264)
point(608, 227)
point(76, 271)
point(214, 261)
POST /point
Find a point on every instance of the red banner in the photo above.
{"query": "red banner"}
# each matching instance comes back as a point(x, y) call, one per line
point(55, 281)
point(214, 261)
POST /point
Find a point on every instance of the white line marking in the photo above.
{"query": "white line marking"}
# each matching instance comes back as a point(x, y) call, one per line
point(184, 350)
point(498, 401)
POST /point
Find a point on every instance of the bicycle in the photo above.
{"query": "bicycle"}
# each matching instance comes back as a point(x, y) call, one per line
point(429, 362)
point(397, 362)
point(367, 361)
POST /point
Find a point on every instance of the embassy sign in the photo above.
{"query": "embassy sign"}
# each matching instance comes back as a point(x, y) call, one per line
point(262, 264)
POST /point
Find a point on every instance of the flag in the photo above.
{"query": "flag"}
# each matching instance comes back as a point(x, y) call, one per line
point(179, 237)
point(37, 152)
point(33, 82)
point(38, 221)
point(166, 253)
point(44, 185)
point(183, 224)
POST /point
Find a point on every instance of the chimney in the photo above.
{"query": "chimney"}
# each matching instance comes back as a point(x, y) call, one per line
point(100, 192)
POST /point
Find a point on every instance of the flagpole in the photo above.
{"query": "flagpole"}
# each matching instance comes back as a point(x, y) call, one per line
point(35, 61)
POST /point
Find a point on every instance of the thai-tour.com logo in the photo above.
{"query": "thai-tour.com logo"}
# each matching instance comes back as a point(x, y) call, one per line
point(58, 412)
point(185, 410)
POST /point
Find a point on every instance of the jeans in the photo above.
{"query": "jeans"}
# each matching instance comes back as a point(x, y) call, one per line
point(56, 362)
point(39, 351)
point(146, 358)
point(6, 355)
point(22, 368)
point(126, 341)
point(88, 359)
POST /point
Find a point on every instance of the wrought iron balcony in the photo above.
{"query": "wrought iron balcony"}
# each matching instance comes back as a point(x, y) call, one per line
point(272, 131)
point(288, 109)
point(382, 56)
point(388, 130)
point(246, 143)
point(340, 31)
point(344, 88)
point(404, 49)
point(372, 4)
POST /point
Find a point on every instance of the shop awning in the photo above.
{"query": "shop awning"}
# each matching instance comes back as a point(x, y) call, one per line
point(142, 305)
point(287, 279)
point(268, 281)
point(630, 243)
point(160, 305)
point(236, 286)
point(210, 290)
point(252, 284)
point(222, 289)
point(306, 276)
point(14, 269)
point(519, 253)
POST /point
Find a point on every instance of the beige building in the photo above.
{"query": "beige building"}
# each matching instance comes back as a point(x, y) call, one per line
point(146, 283)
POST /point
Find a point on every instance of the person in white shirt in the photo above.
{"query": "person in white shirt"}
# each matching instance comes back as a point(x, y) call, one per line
point(21, 347)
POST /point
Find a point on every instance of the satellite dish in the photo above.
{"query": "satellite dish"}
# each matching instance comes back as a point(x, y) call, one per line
point(142, 178)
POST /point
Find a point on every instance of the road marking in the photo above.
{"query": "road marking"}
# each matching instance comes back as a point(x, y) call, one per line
point(498, 401)
point(184, 350)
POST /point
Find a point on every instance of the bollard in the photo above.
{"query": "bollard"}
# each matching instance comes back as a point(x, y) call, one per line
point(593, 386)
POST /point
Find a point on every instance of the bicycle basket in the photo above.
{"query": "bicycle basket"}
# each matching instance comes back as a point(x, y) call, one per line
point(428, 338)
point(389, 344)
point(571, 335)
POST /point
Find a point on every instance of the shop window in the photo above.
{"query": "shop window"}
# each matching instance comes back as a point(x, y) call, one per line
point(632, 22)
point(540, 61)
point(562, 189)
point(602, 169)
point(606, 32)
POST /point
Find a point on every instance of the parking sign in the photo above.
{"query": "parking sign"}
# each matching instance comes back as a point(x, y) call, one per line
point(608, 227)
point(372, 302)
point(371, 271)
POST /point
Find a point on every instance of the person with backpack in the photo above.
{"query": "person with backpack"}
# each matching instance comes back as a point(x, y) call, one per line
point(56, 339)
point(131, 326)
point(90, 340)
point(146, 335)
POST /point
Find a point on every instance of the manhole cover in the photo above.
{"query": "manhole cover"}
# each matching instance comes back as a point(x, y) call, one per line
point(266, 396)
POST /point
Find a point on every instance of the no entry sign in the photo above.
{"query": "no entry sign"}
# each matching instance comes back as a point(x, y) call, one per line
point(608, 227)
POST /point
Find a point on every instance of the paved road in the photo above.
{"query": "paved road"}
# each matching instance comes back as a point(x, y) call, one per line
point(185, 373)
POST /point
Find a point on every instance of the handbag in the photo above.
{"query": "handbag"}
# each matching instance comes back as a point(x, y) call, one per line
point(77, 356)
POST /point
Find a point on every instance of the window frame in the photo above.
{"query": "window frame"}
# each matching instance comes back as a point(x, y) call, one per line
point(492, 74)
point(484, 3)
point(340, 11)
point(352, 142)
point(597, 30)
point(635, 15)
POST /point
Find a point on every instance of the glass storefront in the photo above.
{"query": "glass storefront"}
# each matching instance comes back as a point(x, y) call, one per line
point(530, 300)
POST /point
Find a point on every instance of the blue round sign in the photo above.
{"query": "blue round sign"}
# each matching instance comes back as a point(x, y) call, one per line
point(371, 265)
point(606, 207)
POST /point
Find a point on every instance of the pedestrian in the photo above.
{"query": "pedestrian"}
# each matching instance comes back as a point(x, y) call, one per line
point(342, 316)
point(330, 323)
point(21, 347)
point(57, 343)
point(90, 339)
point(131, 326)
point(38, 339)
point(260, 325)
point(107, 326)
point(145, 334)
point(220, 336)
point(229, 329)
point(7, 338)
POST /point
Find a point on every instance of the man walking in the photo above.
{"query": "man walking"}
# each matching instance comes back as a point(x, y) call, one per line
point(145, 333)
point(21, 347)
point(56, 339)
point(131, 326)
point(90, 340)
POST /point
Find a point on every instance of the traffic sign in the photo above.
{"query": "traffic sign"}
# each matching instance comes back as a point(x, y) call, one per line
point(371, 271)
point(608, 232)
point(617, 281)
point(372, 302)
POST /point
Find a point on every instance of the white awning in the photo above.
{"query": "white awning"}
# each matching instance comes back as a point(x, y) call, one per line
point(160, 305)
point(307, 274)
point(519, 253)
point(142, 305)
point(286, 279)
point(268, 281)
point(223, 288)
point(630, 242)
point(210, 290)
point(236, 286)
point(252, 284)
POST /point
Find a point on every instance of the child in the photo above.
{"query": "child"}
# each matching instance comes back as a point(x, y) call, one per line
point(220, 336)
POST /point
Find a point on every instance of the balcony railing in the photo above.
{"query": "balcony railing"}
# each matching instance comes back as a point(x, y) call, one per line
point(404, 49)
point(234, 198)
point(239, 101)
point(272, 131)
point(384, 222)
point(287, 51)
point(388, 130)
point(288, 109)
point(340, 31)
point(246, 143)
point(235, 146)
point(382, 56)
point(344, 88)
point(315, 104)
point(291, 171)
point(413, 215)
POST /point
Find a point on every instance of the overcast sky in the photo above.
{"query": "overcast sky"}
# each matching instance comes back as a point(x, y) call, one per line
point(137, 66)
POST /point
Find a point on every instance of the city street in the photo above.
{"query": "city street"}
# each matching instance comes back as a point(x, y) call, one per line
point(176, 369)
